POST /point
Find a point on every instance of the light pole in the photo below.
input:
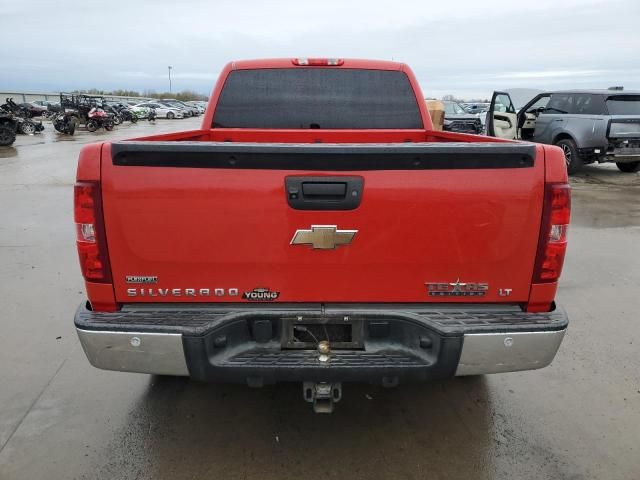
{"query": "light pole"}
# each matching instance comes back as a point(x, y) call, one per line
point(169, 67)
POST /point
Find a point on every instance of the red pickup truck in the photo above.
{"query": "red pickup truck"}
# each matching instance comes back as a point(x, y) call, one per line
point(316, 229)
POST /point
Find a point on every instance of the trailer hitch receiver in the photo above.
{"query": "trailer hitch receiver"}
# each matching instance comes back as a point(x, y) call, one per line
point(323, 395)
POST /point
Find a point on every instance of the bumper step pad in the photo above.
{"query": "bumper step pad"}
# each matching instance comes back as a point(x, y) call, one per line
point(336, 359)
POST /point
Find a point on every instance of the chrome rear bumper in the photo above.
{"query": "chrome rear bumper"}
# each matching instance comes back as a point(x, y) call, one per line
point(141, 352)
point(163, 353)
point(508, 352)
point(416, 345)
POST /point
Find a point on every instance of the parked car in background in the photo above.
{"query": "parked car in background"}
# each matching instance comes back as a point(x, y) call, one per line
point(162, 111)
point(456, 119)
point(22, 117)
point(33, 109)
point(197, 105)
point(472, 107)
point(45, 103)
point(51, 108)
point(195, 110)
point(140, 110)
point(201, 103)
point(187, 111)
point(589, 125)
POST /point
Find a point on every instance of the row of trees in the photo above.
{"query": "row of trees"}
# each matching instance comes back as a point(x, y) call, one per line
point(184, 95)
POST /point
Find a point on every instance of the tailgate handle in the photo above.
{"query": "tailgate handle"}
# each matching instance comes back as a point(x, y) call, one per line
point(323, 193)
point(336, 190)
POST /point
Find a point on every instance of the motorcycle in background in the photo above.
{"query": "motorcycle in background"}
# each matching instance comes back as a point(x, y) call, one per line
point(126, 114)
point(114, 113)
point(65, 122)
point(52, 112)
point(98, 118)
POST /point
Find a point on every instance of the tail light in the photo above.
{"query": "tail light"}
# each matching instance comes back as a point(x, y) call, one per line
point(553, 233)
point(318, 62)
point(90, 238)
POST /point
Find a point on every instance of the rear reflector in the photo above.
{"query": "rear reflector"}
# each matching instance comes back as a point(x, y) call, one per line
point(318, 62)
point(553, 233)
point(90, 239)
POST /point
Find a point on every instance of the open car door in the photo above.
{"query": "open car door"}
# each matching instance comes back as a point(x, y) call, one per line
point(502, 119)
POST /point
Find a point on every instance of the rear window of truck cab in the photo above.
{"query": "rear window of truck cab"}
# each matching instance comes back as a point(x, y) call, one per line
point(329, 98)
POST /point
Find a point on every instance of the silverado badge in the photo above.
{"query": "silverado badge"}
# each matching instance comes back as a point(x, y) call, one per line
point(324, 237)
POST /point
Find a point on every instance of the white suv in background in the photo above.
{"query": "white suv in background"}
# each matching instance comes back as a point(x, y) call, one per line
point(162, 111)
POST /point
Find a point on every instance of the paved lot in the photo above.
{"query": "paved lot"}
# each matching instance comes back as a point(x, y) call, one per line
point(62, 419)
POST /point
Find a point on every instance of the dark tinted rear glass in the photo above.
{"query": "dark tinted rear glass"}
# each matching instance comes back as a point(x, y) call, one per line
point(624, 105)
point(317, 98)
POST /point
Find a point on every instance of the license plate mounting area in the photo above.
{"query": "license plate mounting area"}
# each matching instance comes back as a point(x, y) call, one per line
point(306, 332)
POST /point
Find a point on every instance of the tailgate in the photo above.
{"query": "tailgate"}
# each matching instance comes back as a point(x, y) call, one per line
point(218, 222)
point(623, 127)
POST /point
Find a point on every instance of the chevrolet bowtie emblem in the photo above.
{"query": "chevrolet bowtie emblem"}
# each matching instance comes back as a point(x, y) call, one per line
point(326, 237)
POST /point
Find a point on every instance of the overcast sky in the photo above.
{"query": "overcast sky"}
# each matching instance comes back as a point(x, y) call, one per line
point(467, 48)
